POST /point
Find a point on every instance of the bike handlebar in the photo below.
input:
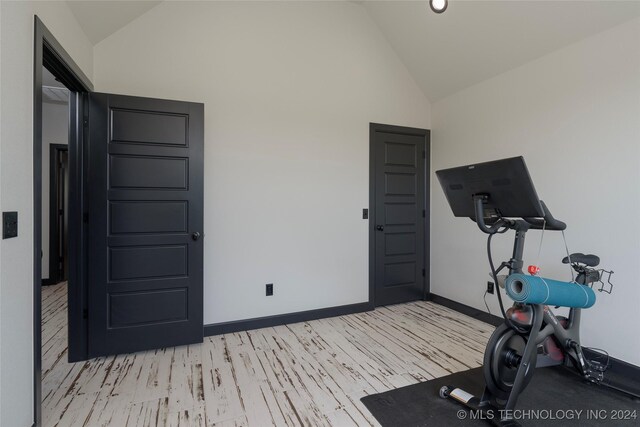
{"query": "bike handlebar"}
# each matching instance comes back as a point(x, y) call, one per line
point(547, 222)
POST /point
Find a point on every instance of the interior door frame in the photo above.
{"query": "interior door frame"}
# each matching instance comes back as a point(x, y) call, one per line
point(54, 237)
point(48, 52)
point(423, 133)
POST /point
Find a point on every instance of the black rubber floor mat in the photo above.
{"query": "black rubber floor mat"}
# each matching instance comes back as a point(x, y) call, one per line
point(555, 397)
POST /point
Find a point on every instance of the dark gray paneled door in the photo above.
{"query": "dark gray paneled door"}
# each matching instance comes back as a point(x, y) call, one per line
point(145, 212)
point(398, 226)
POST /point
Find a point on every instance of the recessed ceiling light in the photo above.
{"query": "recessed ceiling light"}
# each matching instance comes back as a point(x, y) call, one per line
point(438, 6)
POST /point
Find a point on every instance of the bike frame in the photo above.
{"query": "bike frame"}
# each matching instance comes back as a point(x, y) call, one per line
point(564, 335)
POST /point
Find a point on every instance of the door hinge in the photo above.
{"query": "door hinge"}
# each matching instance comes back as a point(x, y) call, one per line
point(423, 272)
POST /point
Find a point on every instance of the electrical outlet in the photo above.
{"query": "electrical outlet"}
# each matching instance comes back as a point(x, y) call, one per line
point(269, 289)
point(490, 287)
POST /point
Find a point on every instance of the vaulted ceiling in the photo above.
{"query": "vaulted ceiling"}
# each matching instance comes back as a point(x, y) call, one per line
point(99, 19)
point(472, 41)
point(475, 40)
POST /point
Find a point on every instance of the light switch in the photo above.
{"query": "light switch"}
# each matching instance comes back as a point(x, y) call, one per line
point(9, 225)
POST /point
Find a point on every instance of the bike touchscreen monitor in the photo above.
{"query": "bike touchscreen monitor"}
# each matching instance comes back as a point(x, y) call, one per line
point(505, 184)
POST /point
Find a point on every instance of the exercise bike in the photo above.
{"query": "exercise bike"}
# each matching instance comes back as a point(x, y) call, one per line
point(499, 196)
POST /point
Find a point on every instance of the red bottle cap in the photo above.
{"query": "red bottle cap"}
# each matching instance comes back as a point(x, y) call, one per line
point(533, 270)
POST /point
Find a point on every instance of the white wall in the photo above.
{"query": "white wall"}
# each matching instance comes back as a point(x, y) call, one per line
point(55, 130)
point(575, 116)
point(1, 305)
point(289, 90)
point(16, 187)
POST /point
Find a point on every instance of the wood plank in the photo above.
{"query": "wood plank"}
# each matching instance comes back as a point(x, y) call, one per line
point(223, 400)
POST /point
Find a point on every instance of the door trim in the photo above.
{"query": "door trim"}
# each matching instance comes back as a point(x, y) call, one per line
point(47, 51)
point(426, 134)
point(54, 238)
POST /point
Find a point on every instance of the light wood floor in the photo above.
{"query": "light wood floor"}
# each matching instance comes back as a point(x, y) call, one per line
point(312, 373)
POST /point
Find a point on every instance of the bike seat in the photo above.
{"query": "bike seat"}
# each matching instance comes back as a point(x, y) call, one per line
point(589, 260)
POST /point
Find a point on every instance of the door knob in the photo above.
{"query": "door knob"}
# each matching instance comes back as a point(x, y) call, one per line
point(380, 227)
point(195, 236)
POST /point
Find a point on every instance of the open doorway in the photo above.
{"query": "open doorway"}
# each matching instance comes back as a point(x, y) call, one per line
point(55, 180)
point(54, 231)
point(59, 92)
